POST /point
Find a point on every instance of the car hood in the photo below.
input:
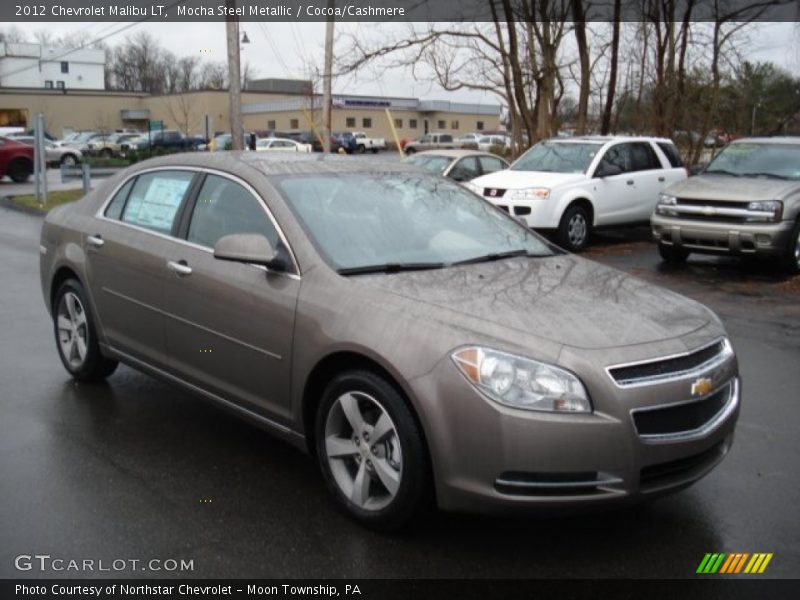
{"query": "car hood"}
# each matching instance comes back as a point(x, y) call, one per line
point(734, 189)
point(509, 179)
point(563, 299)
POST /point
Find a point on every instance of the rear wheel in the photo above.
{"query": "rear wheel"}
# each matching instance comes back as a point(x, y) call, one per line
point(20, 170)
point(106, 153)
point(574, 228)
point(76, 336)
point(69, 160)
point(371, 451)
point(672, 254)
point(362, 148)
point(791, 260)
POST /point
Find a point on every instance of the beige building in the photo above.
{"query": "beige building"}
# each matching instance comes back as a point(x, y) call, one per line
point(206, 112)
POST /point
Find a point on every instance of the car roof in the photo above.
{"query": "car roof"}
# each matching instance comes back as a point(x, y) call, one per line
point(770, 140)
point(455, 153)
point(278, 163)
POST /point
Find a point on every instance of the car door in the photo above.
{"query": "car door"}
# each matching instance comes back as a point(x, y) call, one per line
point(229, 324)
point(125, 250)
point(650, 178)
point(615, 195)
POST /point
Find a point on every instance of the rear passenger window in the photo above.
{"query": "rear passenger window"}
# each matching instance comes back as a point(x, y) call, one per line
point(155, 199)
point(223, 208)
point(671, 153)
point(643, 157)
point(620, 156)
point(114, 208)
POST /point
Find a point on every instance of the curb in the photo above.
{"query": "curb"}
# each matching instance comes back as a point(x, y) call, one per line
point(7, 202)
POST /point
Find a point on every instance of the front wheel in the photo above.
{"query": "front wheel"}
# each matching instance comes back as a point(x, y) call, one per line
point(574, 228)
point(791, 260)
point(20, 170)
point(69, 160)
point(76, 335)
point(371, 451)
point(361, 149)
point(672, 254)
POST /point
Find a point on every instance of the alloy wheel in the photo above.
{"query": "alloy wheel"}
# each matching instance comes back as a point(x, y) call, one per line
point(73, 330)
point(577, 229)
point(363, 451)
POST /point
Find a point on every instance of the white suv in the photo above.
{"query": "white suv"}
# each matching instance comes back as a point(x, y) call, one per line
point(572, 185)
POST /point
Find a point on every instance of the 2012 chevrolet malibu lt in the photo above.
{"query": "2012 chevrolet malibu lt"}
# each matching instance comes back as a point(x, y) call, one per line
point(420, 342)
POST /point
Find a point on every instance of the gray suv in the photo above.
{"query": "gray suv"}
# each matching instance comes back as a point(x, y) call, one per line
point(745, 203)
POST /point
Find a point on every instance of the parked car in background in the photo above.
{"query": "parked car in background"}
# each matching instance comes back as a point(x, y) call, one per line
point(468, 139)
point(364, 143)
point(486, 142)
point(135, 144)
point(174, 139)
point(16, 160)
point(56, 155)
point(343, 141)
point(431, 141)
point(571, 185)
point(745, 203)
point(281, 145)
point(82, 139)
point(418, 343)
point(111, 145)
point(458, 165)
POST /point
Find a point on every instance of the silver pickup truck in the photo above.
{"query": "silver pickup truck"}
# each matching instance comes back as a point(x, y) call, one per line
point(745, 203)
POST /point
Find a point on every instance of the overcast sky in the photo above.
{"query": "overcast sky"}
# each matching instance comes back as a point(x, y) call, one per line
point(282, 50)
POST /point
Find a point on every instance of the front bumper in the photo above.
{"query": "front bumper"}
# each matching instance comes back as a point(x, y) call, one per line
point(491, 458)
point(738, 239)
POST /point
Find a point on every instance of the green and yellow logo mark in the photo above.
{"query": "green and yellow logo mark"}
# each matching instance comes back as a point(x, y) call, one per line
point(741, 562)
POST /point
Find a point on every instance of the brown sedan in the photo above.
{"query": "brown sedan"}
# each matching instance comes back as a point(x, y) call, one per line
point(419, 342)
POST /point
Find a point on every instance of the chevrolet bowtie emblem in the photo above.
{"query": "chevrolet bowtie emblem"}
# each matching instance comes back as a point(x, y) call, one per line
point(702, 386)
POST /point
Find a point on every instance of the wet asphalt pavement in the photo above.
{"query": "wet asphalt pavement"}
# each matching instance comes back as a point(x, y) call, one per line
point(136, 469)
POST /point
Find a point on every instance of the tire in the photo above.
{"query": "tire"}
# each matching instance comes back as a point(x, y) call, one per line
point(73, 321)
point(374, 150)
point(20, 170)
point(574, 228)
point(672, 254)
point(106, 153)
point(791, 260)
point(69, 160)
point(409, 151)
point(361, 149)
point(368, 400)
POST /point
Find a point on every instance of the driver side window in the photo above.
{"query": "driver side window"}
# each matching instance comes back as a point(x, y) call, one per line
point(618, 156)
point(224, 207)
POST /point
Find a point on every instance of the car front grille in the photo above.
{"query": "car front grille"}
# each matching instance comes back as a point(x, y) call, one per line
point(718, 211)
point(681, 365)
point(685, 418)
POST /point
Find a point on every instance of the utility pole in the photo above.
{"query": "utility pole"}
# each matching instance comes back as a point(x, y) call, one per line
point(326, 80)
point(234, 76)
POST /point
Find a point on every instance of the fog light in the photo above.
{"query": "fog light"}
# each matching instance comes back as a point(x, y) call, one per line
point(763, 239)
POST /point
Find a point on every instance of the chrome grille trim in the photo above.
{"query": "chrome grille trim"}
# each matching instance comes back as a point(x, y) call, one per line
point(725, 354)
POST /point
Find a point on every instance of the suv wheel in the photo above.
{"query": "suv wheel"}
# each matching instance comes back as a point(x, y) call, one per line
point(574, 228)
point(76, 336)
point(672, 254)
point(792, 258)
point(371, 451)
point(69, 160)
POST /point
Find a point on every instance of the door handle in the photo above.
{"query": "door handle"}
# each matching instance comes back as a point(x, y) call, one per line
point(95, 240)
point(180, 267)
point(629, 182)
point(662, 179)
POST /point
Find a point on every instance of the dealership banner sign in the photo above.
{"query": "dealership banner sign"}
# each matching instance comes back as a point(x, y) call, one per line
point(371, 10)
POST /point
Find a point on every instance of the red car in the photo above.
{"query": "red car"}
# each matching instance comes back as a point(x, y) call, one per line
point(16, 160)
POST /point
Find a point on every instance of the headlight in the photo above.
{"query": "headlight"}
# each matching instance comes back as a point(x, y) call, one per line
point(664, 202)
point(539, 193)
point(772, 211)
point(522, 382)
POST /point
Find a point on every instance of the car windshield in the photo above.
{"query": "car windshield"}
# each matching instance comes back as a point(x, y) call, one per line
point(433, 163)
point(365, 219)
point(557, 157)
point(751, 159)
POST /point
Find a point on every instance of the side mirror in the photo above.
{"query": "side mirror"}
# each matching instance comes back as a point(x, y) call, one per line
point(249, 248)
point(607, 170)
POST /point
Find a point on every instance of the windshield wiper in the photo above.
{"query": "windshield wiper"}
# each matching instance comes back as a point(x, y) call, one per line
point(390, 268)
point(722, 172)
point(497, 256)
point(768, 175)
